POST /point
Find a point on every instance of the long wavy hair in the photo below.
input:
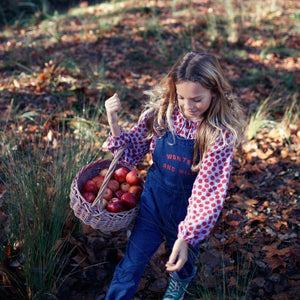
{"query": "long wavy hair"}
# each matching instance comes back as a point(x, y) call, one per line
point(224, 114)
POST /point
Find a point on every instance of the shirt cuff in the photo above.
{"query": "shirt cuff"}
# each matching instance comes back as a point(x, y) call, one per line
point(117, 142)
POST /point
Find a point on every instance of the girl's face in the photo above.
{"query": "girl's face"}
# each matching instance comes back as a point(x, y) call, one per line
point(193, 99)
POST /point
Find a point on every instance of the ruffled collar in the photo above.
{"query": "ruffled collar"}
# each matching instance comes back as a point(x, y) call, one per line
point(177, 112)
point(183, 126)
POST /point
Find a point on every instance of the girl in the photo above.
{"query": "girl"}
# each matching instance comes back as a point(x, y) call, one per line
point(190, 126)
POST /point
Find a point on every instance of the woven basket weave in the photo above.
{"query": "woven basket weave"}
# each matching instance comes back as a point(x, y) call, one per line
point(92, 213)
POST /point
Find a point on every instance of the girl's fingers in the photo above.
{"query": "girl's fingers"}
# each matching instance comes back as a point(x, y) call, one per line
point(113, 104)
point(178, 256)
point(173, 257)
point(171, 267)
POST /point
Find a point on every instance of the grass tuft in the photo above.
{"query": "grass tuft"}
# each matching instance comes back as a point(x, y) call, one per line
point(260, 120)
point(263, 120)
point(37, 178)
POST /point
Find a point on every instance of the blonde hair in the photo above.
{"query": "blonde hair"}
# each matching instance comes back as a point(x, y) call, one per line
point(224, 114)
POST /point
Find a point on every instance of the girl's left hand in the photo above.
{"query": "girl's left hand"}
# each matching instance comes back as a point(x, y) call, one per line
point(178, 256)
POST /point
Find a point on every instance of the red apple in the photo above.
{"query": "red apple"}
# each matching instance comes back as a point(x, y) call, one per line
point(113, 184)
point(115, 205)
point(119, 193)
point(124, 187)
point(103, 171)
point(90, 186)
point(136, 190)
point(129, 200)
point(88, 196)
point(99, 180)
point(108, 194)
point(120, 174)
point(133, 177)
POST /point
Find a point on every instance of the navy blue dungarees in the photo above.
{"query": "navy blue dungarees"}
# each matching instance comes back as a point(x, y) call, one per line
point(164, 204)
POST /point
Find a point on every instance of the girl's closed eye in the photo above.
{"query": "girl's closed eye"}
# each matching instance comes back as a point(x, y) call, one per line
point(194, 100)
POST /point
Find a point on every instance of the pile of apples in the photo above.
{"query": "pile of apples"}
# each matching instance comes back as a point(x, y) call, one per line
point(122, 192)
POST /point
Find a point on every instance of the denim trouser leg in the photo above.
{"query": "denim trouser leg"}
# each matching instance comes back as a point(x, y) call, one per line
point(143, 242)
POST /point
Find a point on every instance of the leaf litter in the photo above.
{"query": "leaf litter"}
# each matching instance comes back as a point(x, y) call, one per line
point(259, 225)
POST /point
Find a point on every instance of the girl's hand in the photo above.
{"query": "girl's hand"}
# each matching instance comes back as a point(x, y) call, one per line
point(113, 106)
point(178, 256)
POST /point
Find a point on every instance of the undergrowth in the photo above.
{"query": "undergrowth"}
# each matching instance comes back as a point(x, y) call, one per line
point(37, 177)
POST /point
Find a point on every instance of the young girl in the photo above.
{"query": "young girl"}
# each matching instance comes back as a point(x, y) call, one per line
point(190, 126)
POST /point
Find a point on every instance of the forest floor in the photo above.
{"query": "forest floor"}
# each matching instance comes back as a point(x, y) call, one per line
point(76, 60)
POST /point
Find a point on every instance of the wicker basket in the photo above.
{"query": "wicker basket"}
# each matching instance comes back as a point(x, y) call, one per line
point(92, 213)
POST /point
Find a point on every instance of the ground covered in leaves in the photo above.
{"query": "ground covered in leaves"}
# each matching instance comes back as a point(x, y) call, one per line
point(57, 68)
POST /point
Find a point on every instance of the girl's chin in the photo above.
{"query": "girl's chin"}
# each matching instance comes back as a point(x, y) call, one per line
point(192, 117)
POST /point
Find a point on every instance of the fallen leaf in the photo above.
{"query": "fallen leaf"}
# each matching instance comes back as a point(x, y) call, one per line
point(275, 261)
point(242, 182)
point(243, 202)
point(42, 76)
point(233, 223)
point(16, 83)
point(32, 128)
point(264, 155)
point(80, 260)
point(261, 217)
point(275, 134)
point(278, 224)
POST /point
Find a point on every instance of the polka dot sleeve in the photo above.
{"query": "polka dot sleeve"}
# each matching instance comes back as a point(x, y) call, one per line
point(134, 141)
point(208, 195)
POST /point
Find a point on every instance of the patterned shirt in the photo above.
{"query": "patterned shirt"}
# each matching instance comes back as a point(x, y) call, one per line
point(210, 186)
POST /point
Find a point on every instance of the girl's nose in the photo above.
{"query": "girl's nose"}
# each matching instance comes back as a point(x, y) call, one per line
point(189, 105)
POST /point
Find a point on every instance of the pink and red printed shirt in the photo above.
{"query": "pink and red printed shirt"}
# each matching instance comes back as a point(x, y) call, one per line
point(209, 188)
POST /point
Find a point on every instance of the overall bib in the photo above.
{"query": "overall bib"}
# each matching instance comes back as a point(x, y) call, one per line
point(164, 204)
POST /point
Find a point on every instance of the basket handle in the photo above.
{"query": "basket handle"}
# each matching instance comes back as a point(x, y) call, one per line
point(107, 177)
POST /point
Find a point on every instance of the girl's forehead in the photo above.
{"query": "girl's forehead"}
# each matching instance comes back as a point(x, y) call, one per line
point(190, 88)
